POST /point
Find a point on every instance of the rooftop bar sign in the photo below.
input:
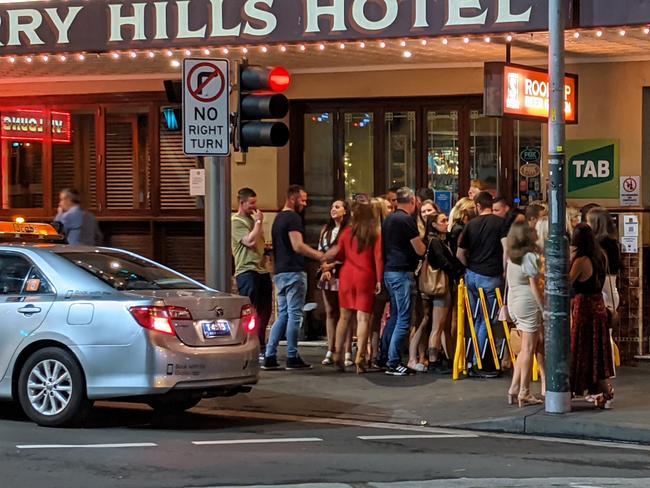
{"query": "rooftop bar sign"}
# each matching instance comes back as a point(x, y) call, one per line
point(101, 25)
point(523, 92)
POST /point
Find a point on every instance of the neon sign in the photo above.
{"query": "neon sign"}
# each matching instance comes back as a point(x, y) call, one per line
point(522, 92)
point(31, 125)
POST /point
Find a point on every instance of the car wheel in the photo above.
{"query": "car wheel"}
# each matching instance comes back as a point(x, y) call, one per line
point(170, 406)
point(51, 388)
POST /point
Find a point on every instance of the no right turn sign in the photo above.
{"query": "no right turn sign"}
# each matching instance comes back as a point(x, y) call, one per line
point(206, 113)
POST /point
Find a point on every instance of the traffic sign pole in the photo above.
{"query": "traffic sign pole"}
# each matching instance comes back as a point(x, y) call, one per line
point(218, 257)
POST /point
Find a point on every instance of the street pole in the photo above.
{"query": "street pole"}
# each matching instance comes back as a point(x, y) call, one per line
point(557, 341)
point(218, 260)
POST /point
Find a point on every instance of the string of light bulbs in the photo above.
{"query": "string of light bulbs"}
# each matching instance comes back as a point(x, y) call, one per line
point(404, 44)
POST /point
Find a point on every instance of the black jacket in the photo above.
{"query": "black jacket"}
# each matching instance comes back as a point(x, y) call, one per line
point(439, 256)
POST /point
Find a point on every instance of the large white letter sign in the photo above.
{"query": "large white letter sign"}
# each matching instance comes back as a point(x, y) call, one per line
point(267, 18)
point(455, 16)
point(359, 16)
point(335, 10)
point(27, 28)
point(506, 16)
point(136, 20)
point(63, 25)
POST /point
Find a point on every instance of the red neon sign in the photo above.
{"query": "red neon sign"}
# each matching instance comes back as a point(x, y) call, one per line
point(30, 125)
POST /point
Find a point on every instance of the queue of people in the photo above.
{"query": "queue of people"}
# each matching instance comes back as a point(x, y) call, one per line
point(392, 264)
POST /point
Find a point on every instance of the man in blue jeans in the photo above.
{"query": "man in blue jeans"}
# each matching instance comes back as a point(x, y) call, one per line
point(481, 251)
point(289, 252)
point(402, 248)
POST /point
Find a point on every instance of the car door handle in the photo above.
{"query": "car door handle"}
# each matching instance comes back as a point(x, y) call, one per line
point(29, 310)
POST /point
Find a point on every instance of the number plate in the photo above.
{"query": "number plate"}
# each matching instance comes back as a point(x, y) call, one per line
point(218, 328)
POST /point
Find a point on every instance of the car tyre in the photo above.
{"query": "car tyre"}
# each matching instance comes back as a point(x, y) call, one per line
point(55, 373)
point(172, 406)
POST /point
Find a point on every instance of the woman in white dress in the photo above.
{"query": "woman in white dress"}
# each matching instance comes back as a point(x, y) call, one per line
point(525, 305)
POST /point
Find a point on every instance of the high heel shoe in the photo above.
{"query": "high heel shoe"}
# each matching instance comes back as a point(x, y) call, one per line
point(361, 367)
point(525, 399)
point(512, 399)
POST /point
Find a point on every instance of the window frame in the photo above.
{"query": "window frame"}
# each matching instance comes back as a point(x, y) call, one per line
point(32, 266)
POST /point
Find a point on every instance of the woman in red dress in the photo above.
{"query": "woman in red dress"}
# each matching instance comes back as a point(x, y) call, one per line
point(359, 249)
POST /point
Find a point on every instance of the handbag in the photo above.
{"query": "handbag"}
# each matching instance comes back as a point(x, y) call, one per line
point(432, 282)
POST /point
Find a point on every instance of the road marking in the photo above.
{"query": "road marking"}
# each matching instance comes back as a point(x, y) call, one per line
point(415, 436)
point(85, 446)
point(257, 441)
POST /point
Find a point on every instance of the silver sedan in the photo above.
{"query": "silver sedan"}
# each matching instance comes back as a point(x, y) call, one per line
point(84, 323)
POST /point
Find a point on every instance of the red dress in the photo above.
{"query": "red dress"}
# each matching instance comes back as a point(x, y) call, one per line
point(360, 272)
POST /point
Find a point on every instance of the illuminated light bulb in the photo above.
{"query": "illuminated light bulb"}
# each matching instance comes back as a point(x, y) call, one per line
point(28, 59)
point(188, 52)
point(466, 40)
point(488, 39)
point(175, 63)
point(169, 53)
point(115, 55)
point(321, 47)
point(206, 52)
point(12, 59)
point(283, 49)
point(62, 58)
point(362, 45)
point(303, 47)
point(402, 43)
point(424, 42)
point(245, 50)
point(151, 54)
point(622, 32)
point(445, 41)
point(45, 58)
point(81, 57)
point(576, 35)
point(407, 54)
point(341, 46)
point(225, 50)
point(509, 38)
point(599, 33)
point(382, 44)
point(133, 54)
point(646, 31)
point(264, 49)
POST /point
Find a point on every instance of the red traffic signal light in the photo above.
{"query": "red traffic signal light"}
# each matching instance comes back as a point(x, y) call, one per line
point(279, 79)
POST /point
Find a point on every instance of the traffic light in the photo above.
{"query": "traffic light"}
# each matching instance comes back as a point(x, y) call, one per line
point(260, 97)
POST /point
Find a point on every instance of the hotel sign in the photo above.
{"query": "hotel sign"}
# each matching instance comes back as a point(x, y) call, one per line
point(31, 125)
point(523, 92)
point(103, 25)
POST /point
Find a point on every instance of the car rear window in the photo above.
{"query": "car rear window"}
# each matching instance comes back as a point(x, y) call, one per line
point(125, 272)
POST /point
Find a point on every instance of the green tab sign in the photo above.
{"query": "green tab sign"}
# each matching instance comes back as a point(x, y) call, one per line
point(592, 168)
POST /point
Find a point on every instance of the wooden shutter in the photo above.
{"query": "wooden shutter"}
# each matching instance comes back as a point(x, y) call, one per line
point(174, 171)
point(120, 164)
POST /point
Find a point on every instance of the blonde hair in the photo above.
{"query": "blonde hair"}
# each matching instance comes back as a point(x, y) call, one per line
point(465, 207)
point(571, 213)
point(381, 207)
point(480, 184)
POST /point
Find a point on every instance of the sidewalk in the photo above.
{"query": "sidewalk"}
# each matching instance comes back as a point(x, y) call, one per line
point(438, 401)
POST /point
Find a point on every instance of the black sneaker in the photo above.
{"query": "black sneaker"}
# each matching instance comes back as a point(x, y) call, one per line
point(270, 363)
point(297, 363)
point(399, 370)
point(474, 372)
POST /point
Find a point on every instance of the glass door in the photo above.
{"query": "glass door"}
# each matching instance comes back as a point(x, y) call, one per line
point(485, 149)
point(443, 159)
point(358, 154)
point(400, 130)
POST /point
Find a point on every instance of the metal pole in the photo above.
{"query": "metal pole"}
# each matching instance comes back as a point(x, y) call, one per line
point(558, 395)
point(218, 258)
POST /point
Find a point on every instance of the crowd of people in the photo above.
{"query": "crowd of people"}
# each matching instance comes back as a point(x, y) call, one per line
point(393, 264)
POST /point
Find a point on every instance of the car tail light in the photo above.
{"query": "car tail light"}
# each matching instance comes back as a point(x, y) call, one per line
point(159, 319)
point(247, 318)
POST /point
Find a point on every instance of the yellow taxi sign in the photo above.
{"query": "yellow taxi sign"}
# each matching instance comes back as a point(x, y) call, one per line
point(28, 229)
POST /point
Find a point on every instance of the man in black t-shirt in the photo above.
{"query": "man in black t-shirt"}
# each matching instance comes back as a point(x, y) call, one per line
point(480, 250)
point(402, 248)
point(289, 252)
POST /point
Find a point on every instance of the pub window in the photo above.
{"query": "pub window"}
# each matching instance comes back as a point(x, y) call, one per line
point(128, 169)
point(442, 151)
point(358, 154)
point(174, 165)
point(400, 148)
point(527, 157)
point(74, 165)
point(485, 148)
point(24, 135)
